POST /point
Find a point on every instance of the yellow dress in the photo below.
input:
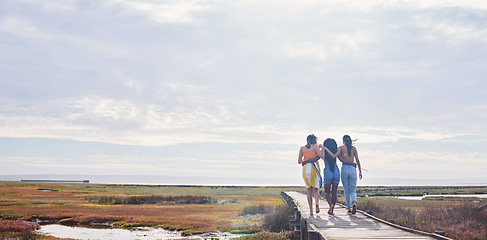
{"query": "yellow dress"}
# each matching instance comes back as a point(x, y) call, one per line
point(311, 171)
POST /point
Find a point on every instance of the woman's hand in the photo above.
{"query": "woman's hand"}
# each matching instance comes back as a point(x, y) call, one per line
point(360, 175)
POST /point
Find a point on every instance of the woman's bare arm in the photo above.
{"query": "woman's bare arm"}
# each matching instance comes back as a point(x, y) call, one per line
point(346, 161)
point(358, 164)
point(300, 156)
point(319, 150)
point(333, 155)
point(309, 160)
point(319, 154)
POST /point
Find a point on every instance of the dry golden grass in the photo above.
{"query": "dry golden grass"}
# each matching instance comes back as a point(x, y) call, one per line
point(459, 218)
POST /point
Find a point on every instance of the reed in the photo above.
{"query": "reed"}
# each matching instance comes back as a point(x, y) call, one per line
point(278, 220)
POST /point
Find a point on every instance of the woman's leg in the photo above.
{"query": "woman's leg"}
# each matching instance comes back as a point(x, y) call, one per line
point(332, 200)
point(346, 185)
point(335, 182)
point(328, 194)
point(353, 190)
point(328, 176)
point(309, 195)
point(329, 199)
point(317, 199)
point(334, 189)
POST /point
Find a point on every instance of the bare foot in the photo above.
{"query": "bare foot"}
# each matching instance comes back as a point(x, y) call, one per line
point(330, 211)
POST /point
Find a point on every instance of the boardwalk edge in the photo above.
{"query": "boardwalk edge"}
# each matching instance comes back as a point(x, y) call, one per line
point(434, 235)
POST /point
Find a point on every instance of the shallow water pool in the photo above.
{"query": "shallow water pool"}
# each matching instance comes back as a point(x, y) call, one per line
point(145, 233)
point(439, 195)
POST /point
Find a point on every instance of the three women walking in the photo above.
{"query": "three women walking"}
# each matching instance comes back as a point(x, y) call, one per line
point(347, 154)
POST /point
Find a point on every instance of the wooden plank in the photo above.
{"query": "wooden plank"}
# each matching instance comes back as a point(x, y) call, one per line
point(345, 226)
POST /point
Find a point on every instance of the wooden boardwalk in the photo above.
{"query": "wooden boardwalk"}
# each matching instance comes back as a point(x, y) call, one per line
point(345, 226)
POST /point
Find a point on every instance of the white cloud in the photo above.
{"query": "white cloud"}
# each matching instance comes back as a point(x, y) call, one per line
point(23, 28)
point(109, 109)
point(21, 160)
point(164, 12)
point(414, 164)
point(305, 49)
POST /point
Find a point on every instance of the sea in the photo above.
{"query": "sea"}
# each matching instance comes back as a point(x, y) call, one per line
point(219, 181)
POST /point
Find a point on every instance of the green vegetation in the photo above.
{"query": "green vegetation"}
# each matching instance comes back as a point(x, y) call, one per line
point(152, 199)
point(285, 235)
point(364, 191)
point(260, 209)
point(236, 209)
point(278, 220)
point(458, 217)
point(190, 209)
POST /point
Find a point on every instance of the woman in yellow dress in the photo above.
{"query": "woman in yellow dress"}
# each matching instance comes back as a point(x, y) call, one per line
point(308, 157)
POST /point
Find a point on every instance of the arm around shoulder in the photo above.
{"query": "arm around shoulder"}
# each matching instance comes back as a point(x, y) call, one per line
point(319, 151)
point(333, 155)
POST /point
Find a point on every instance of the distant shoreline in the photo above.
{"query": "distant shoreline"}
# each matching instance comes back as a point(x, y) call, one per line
point(220, 181)
point(364, 189)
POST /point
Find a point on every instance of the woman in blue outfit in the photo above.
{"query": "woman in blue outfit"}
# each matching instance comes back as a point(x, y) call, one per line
point(332, 175)
point(349, 156)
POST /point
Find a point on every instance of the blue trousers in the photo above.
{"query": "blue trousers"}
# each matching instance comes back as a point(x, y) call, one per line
point(349, 180)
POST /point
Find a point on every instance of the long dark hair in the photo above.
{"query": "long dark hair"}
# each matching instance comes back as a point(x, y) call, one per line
point(332, 146)
point(348, 142)
point(311, 139)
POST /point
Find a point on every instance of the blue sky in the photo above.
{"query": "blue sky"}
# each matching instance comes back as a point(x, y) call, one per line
point(232, 88)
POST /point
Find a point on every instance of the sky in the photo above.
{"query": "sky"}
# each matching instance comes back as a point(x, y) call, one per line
point(231, 89)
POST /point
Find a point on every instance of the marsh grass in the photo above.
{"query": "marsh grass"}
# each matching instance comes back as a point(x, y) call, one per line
point(363, 191)
point(284, 235)
point(23, 235)
point(17, 225)
point(277, 220)
point(460, 219)
point(257, 209)
point(111, 205)
point(151, 199)
point(17, 229)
